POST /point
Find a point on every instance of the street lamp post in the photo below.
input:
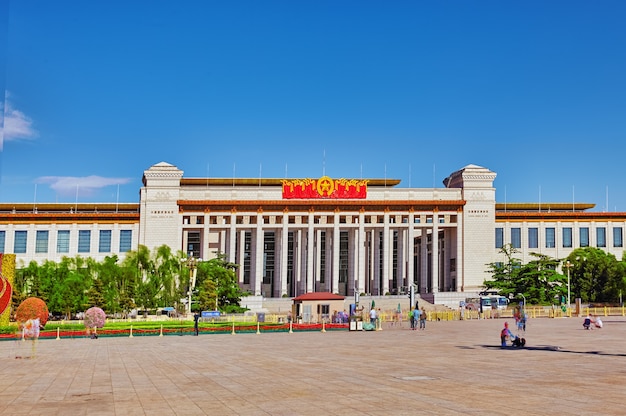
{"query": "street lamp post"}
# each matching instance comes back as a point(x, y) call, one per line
point(568, 265)
point(192, 263)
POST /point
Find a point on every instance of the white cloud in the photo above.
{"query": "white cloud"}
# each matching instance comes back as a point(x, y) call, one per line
point(17, 125)
point(84, 186)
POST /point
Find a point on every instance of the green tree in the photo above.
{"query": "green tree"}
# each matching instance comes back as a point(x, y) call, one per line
point(207, 295)
point(94, 295)
point(107, 286)
point(222, 274)
point(144, 278)
point(167, 268)
point(147, 292)
point(595, 275)
point(537, 280)
point(504, 273)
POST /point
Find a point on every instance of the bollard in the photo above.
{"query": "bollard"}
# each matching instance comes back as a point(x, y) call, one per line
point(58, 337)
point(233, 333)
point(323, 326)
point(291, 327)
point(258, 331)
point(131, 332)
point(161, 333)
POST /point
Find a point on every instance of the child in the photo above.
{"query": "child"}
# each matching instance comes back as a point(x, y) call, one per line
point(506, 333)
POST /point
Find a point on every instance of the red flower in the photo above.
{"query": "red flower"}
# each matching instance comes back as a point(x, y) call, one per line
point(32, 308)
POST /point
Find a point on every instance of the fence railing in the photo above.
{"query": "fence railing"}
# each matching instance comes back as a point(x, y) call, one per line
point(532, 311)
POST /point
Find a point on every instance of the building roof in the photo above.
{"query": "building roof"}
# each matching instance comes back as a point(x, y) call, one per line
point(258, 182)
point(319, 296)
point(543, 207)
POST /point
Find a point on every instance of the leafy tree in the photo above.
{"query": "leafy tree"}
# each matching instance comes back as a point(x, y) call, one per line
point(538, 280)
point(94, 294)
point(207, 295)
point(147, 291)
point(106, 285)
point(167, 268)
point(504, 274)
point(144, 278)
point(224, 280)
point(595, 275)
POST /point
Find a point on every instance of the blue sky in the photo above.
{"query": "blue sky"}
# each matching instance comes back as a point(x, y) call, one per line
point(97, 92)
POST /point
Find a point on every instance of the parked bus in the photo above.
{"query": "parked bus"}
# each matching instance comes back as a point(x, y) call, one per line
point(486, 302)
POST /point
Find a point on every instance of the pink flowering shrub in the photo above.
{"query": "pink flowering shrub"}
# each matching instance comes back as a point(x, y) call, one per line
point(94, 317)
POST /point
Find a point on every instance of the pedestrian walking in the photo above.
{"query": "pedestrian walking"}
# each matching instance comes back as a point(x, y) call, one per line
point(196, 317)
point(416, 317)
point(422, 318)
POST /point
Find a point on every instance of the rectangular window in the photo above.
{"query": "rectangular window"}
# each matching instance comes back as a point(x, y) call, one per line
point(617, 237)
point(499, 237)
point(550, 237)
point(19, 245)
point(269, 259)
point(104, 245)
point(63, 241)
point(516, 237)
point(584, 237)
point(601, 237)
point(41, 242)
point(194, 244)
point(567, 237)
point(343, 256)
point(247, 257)
point(533, 238)
point(2, 237)
point(84, 241)
point(126, 240)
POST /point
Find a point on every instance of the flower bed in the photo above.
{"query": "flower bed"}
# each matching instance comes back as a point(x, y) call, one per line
point(75, 330)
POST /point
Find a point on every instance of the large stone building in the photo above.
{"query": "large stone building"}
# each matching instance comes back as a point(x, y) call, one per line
point(294, 236)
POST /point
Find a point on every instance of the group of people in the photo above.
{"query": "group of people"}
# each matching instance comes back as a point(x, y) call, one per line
point(591, 321)
point(507, 335)
point(521, 317)
point(341, 317)
point(418, 317)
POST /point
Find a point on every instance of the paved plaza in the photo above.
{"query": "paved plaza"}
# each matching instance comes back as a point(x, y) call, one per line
point(451, 368)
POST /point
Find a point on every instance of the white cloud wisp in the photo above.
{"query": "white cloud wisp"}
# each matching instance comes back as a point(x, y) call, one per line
point(17, 125)
point(85, 186)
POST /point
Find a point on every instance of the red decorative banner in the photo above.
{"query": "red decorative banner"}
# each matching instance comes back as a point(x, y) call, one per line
point(324, 187)
point(5, 290)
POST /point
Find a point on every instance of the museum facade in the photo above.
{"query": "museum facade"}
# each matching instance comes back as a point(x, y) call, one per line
point(295, 236)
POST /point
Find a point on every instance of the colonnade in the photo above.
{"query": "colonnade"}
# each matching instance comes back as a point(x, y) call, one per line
point(288, 255)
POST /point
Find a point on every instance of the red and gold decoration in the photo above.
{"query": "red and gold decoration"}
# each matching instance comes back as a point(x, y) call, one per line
point(7, 274)
point(324, 187)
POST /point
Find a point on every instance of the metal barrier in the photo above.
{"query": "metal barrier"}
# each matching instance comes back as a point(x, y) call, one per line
point(390, 316)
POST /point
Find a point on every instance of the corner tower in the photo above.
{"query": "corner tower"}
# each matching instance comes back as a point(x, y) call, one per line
point(159, 218)
point(479, 215)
